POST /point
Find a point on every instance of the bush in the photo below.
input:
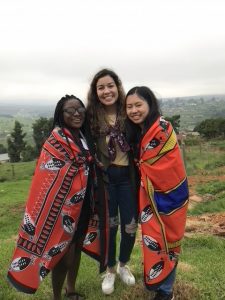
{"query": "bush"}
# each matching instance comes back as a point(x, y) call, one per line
point(28, 154)
point(192, 140)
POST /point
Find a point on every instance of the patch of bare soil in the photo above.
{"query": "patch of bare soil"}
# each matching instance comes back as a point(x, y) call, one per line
point(182, 291)
point(207, 223)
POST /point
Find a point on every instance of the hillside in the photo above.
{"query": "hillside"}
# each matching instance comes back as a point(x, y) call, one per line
point(192, 110)
point(25, 114)
point(195, 109)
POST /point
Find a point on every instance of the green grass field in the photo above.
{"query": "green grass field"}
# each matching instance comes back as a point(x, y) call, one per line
point(200, 273)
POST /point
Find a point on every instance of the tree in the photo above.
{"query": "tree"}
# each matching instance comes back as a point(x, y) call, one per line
point(175, 121)
point(29, 153)
point(211, 128)
point(2, 149)
point(16, 143)
point(41, 130)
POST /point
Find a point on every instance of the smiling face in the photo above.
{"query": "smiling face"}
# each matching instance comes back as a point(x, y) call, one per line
point(107, 91)
point(73, 114)
point(137, 109)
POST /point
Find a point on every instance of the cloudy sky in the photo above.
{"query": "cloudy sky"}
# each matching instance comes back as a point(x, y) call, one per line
point(50, 48)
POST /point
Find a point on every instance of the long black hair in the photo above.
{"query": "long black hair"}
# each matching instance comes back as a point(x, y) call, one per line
point(95, 108)
point(134, 133)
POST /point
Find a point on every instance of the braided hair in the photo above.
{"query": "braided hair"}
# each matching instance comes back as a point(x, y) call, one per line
point(58, 119)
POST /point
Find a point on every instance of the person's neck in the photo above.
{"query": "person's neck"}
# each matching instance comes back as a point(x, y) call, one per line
point(142, 127)
point(110, 110)
point(75, 132)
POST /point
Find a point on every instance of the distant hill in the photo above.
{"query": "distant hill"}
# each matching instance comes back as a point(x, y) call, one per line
point(26, 110)
point(25, 114)
point(192, 109)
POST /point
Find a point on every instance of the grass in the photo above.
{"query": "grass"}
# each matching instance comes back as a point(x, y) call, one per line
point(203, 159)
point(200, 273)
point(204, 257)
point(16, 171)
point(215, 190)
point(213, 187)
point(214, 206)
point(12, 202)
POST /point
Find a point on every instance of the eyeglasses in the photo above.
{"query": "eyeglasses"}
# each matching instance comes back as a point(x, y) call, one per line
point(72, 110)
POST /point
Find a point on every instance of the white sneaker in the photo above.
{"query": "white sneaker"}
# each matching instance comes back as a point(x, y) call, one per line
point(108, 283)
point(125, 274)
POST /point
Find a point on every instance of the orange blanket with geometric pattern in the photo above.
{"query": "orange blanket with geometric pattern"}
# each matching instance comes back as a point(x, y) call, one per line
point(162, 203)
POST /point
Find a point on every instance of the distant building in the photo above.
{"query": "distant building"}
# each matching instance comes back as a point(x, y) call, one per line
point(195, 133)
point(181, 138)
point(4, 158)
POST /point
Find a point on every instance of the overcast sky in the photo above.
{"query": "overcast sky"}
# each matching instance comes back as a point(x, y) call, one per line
point(50, 48)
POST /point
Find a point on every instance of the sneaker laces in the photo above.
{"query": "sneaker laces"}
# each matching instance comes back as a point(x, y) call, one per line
point(107, 275)
point(127, 270)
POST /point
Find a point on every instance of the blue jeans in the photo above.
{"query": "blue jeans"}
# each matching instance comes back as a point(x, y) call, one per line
point(167, 286)
point(122, 198)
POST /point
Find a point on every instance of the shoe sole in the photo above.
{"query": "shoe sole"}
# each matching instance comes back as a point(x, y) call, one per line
point(108, 292)
point(127, 283)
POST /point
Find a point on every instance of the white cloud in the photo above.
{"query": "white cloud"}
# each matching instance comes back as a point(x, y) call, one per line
point(49, 48)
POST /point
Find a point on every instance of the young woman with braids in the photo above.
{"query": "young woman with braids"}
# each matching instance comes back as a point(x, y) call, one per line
point(64, 212)
point(106, 115)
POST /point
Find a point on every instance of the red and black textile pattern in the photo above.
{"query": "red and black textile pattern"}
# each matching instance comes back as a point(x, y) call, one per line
point(52, 213)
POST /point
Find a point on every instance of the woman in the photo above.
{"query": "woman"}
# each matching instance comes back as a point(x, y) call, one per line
point(106, 115)
point(62, 211)
point(163, 195)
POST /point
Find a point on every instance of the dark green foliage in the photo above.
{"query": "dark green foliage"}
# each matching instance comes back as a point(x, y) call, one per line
point(16, 143)
point(29, 153)
point(211, 128)
point(41, 130)
point(2, 149)
point(175, 121)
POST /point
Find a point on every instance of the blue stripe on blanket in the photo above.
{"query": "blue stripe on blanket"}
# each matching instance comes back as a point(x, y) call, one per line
point(167, 202)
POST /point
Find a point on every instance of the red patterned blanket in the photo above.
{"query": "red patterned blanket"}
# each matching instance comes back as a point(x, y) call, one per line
point(52, 213)
point(163, 202)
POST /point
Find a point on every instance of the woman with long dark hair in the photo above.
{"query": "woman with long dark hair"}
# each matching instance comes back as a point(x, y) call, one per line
point(163, 194)
point(106, 115)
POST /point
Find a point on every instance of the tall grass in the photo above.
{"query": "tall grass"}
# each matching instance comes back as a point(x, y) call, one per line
point(203, 158)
